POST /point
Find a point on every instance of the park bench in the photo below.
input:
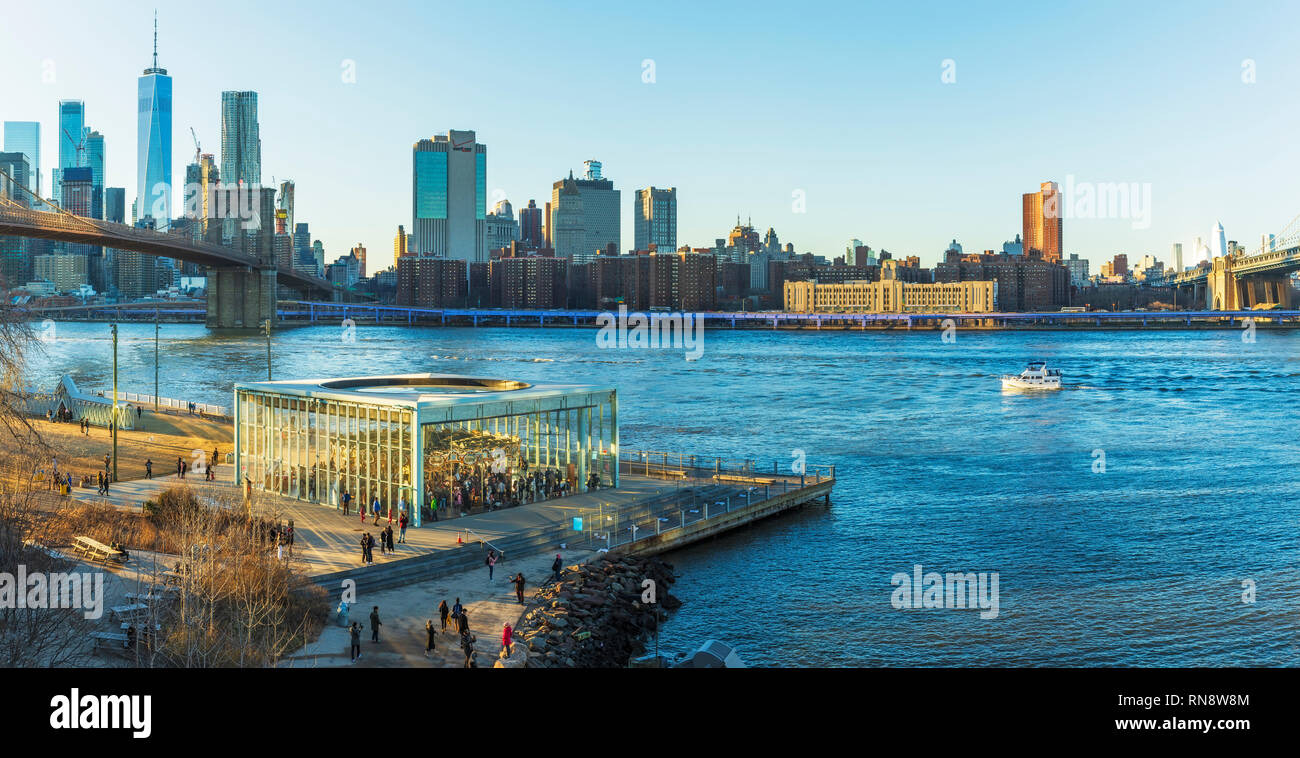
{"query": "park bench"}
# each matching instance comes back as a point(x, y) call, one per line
point(109, 639)
point(128, 612)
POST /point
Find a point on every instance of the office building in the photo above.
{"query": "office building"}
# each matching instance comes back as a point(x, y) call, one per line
point(1078, 268)
point(654, 219)
point(591, 204)
point(72, 135)
point(531, 226)
point(403, 243)
point(25, 137)
point(889, 294)
point(502, 229)
point(449, 196)
point(1041, 212)
point(67, 272)
point(154, 142)
point(1176, 254)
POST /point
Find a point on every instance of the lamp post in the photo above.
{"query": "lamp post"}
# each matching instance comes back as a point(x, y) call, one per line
point(156, 329)
point(113, 418)
point(266, 325)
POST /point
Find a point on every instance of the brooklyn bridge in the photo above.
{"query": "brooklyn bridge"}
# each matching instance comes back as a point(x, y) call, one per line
point(242, 279)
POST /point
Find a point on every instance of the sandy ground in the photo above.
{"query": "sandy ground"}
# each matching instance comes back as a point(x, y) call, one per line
point(403, 612)
point(162, 438)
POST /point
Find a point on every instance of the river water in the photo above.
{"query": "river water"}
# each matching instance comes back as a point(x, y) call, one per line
point(1127, 517)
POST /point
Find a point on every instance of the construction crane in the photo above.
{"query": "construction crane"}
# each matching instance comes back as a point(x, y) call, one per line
point(197, 150)
point(81, 147)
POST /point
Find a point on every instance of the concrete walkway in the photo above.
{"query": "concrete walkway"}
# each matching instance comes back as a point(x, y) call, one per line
point(326, 541)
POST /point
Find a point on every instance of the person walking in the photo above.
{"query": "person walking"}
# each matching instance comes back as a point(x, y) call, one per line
point(430, 633)
point(346, 499)
point(388, 537)
point(442, 613)
point(374, 508)
point(491, 562)
point(375, 623)
point(507, 640)
point(403, 521)
point(365, 552)
point(178, 467)
point(518, 581)
point(354, 632)
point(556, 566)
point(148, 468)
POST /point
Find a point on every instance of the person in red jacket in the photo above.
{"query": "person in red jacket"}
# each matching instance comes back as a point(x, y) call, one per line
point(507, 639)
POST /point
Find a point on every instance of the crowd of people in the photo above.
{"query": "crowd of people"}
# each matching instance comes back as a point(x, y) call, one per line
point(453, 619)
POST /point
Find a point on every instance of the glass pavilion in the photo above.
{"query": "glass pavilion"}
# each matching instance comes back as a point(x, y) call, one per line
point(401, 438)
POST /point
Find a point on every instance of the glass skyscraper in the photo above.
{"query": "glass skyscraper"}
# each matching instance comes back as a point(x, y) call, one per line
point(25, 137)
point(72, 133)
point(449, 196)
point(241, 145)
point(95, 162)
point(154, 144)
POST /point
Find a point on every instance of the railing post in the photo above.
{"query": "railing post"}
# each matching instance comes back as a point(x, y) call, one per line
point(706, 511)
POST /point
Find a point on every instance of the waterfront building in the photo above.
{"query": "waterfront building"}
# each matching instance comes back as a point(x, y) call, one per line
point(25, 137)
point(890, 295)
point(154, 142)
point(1025, 282)
point(407, 438)
point(589, 205)
point(1042, 214)
point(67, 272)
point(429, 281)
point(449, 196)
point(655, 219)
point(528, 282)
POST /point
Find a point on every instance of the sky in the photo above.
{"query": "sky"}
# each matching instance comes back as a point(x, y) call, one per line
point(904, 127)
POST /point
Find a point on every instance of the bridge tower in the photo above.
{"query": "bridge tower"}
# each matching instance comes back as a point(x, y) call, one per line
point(242, 297)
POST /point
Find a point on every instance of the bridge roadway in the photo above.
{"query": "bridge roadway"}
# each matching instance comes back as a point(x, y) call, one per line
point(25, 222)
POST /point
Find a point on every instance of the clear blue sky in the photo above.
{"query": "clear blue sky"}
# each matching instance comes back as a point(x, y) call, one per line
point(751, 102)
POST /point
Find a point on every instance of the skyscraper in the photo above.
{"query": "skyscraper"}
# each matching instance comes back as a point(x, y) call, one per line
point(72, 135)
point(241, 143)
point(154, 142)
point(285, 202)
point(25, 137)
point(95, 162)
point(1042, 222)
point(1221, 240)
point(1177, 255)
point(449, 196)
point(600, 220)
point(655, 219)
point(530, 225)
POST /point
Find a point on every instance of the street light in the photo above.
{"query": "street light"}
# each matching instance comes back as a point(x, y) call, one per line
point(266, 325)
point(156, 329)
point(113, 417)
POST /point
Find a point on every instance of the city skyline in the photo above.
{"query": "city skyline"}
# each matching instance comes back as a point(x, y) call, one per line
point(941, 160)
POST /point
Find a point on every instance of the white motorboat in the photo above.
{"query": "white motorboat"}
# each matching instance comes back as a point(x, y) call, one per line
point(1036, 377)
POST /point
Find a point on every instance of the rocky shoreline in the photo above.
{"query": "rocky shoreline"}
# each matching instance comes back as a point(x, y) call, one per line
point(595, 616)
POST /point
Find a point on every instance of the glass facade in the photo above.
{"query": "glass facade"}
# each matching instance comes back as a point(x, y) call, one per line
point(431, 185)
point(409, 439)
point(72, 125)
point(154, 147)
point(480, 186)
point(25, 137)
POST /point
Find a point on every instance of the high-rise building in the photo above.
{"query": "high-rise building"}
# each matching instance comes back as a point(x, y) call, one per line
point(1042, 213)
point(600, 218)
point(15, 262)
point(94, 151)
point(1177, 257)
point(302, 243)
point(25, 137)
point(654, 219)
point(568, 234)
point(449, 196)
point(1078, 268)
point(401, 244)
point(284, 202)
point(360, 253)
point(16, 165)
point(154, 142)
point(115, 205)
point(502, 229)
point(241, 142)
point(72, 135)
point(530, 225)
point(1221, 240)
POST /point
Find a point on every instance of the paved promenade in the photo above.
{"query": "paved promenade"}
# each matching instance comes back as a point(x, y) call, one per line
point(326, 541)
